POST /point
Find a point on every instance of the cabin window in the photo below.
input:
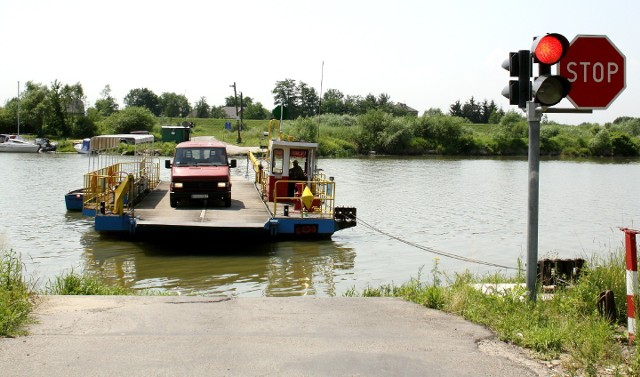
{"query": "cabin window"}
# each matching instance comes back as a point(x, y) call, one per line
point(278, 161)
point(299, 155)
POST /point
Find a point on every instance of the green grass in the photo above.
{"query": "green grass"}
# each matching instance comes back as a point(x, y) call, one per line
point(16, 297)
point(75, 284)
point(566, 327)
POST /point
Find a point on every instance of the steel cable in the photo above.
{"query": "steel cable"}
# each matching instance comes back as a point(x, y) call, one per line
point(432, 250)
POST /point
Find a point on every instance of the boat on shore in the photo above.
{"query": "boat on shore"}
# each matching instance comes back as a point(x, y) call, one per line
point(13, 143)
point(83, 146)
point(46, 145)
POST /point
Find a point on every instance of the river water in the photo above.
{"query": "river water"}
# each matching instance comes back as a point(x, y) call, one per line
point(463, 214)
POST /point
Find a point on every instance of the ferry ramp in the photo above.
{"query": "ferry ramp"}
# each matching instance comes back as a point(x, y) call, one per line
point(246, 216)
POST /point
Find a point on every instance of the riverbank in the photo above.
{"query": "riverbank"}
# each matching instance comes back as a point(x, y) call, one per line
point(295, 336)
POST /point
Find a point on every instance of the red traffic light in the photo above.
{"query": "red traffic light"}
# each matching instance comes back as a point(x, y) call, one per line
point(549, 48)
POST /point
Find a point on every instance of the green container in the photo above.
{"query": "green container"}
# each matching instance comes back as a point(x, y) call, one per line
point(176, 134)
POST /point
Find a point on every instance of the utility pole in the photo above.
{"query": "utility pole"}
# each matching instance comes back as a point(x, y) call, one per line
point(241, 117)
point(235, 102)
point(18, 108)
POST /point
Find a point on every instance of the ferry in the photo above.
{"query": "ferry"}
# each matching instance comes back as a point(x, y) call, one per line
point(127, 197)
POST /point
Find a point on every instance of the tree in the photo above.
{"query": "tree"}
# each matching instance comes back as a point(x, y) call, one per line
point(143, 97)
point(202, 108)
point(73, 107)
point(217, 112)
point(373, 125)
point(471, 111)
point(55, 122)
point(106, 104)
point(7, 119)
point(455, 110)
point(332, 102)
point(285, 94)
point(231, 101)
point(174, 105)
point(132, 118)
point(307, 100)
point(474, 112)
point(256, 111)
point(433, 111)
point(33, 107)
point(352, 104)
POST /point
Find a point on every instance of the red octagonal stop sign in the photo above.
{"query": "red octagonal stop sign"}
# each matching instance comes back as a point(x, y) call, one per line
point(595, 68)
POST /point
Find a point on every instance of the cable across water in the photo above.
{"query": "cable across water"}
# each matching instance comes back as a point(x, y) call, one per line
point(432, 250)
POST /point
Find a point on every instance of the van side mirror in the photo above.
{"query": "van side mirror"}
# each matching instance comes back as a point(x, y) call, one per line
point(167, 164)
point(233, 163)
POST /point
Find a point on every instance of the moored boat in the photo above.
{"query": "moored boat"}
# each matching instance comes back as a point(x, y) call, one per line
point(12, 143)
point(74, 199)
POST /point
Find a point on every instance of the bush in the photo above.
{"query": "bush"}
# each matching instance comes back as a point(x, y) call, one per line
point(16, 299)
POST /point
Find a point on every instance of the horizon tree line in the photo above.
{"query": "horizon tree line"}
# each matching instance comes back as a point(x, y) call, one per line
point(60, 110)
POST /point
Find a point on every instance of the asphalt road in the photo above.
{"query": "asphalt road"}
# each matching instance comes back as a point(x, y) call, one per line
point(293, 336)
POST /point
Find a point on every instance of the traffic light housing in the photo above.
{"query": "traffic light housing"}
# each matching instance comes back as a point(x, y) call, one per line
point(547, 50)
point(519, 65)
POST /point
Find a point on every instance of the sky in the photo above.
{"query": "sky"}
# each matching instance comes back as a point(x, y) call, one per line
point(421, 53)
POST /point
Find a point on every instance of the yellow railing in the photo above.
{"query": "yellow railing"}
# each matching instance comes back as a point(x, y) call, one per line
point(322, 203)
point(323, 190)
point(120, 185)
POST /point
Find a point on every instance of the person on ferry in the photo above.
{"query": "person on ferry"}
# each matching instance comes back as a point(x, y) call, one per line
point(296, 173)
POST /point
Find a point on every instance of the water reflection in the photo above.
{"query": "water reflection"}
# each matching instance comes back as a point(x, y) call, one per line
point(274, 269)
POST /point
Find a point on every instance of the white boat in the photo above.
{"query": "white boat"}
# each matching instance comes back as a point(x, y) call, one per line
point(11, 143)
point(83, 147)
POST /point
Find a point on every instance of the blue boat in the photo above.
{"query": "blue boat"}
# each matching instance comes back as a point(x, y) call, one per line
point(73, 199)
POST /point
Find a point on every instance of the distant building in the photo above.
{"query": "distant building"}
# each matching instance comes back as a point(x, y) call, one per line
point(409, 110)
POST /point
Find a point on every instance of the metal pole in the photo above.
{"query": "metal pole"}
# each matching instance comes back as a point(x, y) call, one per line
point(534, 172)
point(235, 102)
point(632, 280)
point(240, 124)
point(320, 100)
point(18, 108)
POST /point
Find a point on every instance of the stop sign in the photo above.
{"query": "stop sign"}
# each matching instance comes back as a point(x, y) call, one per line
point(595, 68)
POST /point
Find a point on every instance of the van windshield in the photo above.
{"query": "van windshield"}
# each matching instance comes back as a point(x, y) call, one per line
point(201, 156)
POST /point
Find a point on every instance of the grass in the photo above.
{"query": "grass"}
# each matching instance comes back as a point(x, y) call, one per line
point(16, 297)
point(567, 328)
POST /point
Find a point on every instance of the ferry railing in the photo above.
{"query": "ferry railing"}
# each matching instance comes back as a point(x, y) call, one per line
point(119, 186)
point(260, 172)
point(322, 202)
point(323, 190)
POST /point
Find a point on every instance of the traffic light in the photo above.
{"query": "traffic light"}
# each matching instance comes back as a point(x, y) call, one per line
point(546, 51)
point(519, 65)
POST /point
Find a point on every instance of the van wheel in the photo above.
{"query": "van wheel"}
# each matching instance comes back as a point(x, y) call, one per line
point(227, 202)
point(173, 202)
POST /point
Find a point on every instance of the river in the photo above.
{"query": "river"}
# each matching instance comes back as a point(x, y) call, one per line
point(415, 215)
